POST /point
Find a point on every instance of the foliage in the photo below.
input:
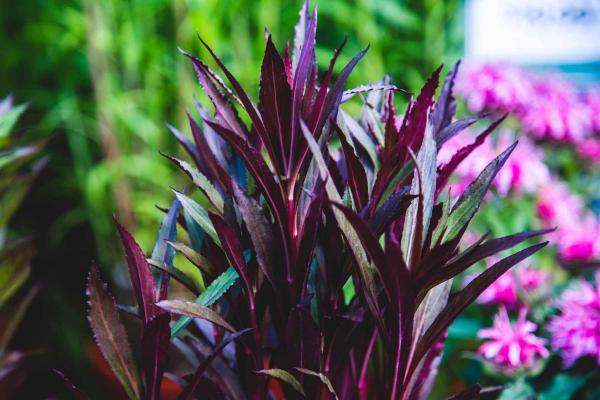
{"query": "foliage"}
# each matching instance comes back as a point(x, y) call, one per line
point(298, 219)
point(19, 165)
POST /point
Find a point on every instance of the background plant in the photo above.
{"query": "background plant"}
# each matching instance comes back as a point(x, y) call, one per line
point(20, 163)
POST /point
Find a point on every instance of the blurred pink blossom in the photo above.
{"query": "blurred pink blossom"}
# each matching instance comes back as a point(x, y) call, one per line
point(524, 171)
point(556, 111)
point(557, 205)
point(493, 86)
point(531, 279)
point(548, 106)
point(576, 330)
point(590, 149)
point(577, 236)
point(502, 291)
point(579, 241)
point(512, 346)
point(592, 101)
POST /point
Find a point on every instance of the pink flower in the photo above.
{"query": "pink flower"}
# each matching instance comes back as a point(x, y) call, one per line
point(556, 111)
point(592, 101)
point(590, 149)
point(512, 347)
point(579, 241)
point(576, 331)
point(503, 291)
point(524, 171)
point(493, 86)
point(578, 231)
point(531, 279)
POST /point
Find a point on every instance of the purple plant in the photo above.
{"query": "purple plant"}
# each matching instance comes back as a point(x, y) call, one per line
point(326, 243)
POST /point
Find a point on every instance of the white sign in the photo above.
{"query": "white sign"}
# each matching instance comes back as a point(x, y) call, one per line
point(533, 31)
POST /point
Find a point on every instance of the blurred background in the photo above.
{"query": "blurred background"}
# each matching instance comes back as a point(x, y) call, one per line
point(102, 78)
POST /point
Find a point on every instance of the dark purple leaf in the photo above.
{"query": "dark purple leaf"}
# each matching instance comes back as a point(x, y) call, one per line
point(110, 335)
point(466, 296)
point(357, 178)
point(155, 344)
point(188, 392)
point(447, 169)
point(140, 274)
point(445, 108)
point(275, 105)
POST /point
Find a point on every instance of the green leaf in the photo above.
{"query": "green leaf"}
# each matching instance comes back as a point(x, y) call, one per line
point(198, 214)
point(8, 120)
point(468, 203)
point(194, 310)
point(284, 376)
point(323, 379)
point(519, 390)
point(193, 256)
point(207, 298)
point(563, 386)
point(202, 182)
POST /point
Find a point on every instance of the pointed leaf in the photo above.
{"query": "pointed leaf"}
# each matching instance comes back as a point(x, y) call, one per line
point(162, 253)
point(323, 379)
point(140, 274)
point(110, 335)
point(213, 292)
point(199, 215)
point(346, 228)
point(275, 103)
point(445, 108)
point(300, 33)
point(284, 376)
point(467, 295)
point(188, 392)
point(447, 169)
point(202, 182)
point(261, 234)
point(468, 203)
point(155, 346)
point(194, 310)
point(194, 257)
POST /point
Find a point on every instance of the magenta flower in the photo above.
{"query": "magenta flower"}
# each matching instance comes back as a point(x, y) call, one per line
point(494, 87)
point(524, 171)
point(557, 206)
point(512, 347)
point(590, 149)
point(581, 241)
point(556, 111)
point(592, 101)
point(503, 291)
point(576, 330)
point(531, 279)
point(578, 233)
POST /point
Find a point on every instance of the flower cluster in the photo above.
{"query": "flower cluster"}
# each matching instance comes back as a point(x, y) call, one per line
point(548, 106)
point(578, 229)
point(576, 330)
point(524, 171)
point(514, 287)
point(512, 347)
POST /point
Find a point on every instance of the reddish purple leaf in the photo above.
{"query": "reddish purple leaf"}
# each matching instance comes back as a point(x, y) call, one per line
point(155, 344)
point(140, 274)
